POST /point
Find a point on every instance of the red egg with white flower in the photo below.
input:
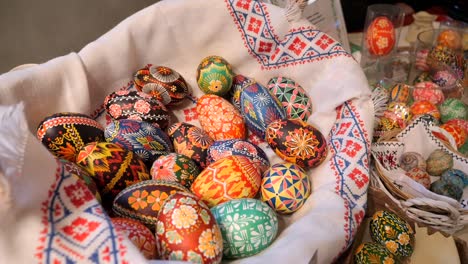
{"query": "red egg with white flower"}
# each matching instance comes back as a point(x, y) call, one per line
point(187, 230)
point(380, 37)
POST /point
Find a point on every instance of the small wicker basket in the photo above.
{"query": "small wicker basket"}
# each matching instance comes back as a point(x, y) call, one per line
point(419, 204)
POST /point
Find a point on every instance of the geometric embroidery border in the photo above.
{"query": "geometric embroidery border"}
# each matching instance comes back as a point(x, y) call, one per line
point(350, 147)
point(300, 45)
point(76, 228)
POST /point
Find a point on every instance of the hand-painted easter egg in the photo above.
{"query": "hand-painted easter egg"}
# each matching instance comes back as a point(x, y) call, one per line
point(186, 230)
point(454, 173)
point(398, 113)
point(393, 232)
point(400, 110)
point(64, 134)
point(421, 60)
point(400, 93)
point(388, 124)
point(428, 91)
point(82, 174)
point(190, 141)
point(298, 142)
point(229, 178)
point(248, 226)
point(410, 160)
point(225, 148)
point(292, 96)
point(444, 78)
point(170, 80)
point(143, 201)
point(141, 77)
point(420, 108)
point(140, 235)
point(285, 187)
point(456, 132)
point(146, 140)
point(260, 108)
point(371, 252)
point(423, 77)
point(238, 84)
point(175, 167)
point(438, 162)
point(447, 188)
point(163, 83)
point(463, 123)
point(450, 38)
point(214, 75)
point(137, 106)
point(420, 176)
point(441, 55)
point(380, 36)
point(219, 118)
point(112, 167)
point(453, 108)
point(157, 92)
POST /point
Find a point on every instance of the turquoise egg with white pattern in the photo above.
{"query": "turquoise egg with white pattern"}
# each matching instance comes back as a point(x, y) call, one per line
point(247, 225)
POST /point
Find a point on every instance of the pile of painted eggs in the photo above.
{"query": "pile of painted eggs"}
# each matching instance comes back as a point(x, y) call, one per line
point(407, 103)
point(435, 173)
point(393, 240)
point(184, 192)
point(443, 64)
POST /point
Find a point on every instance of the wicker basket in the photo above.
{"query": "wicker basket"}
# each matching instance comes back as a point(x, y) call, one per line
point(423, 206)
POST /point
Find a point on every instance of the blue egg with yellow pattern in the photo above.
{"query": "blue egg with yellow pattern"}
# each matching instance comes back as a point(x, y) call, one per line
point(285, 187)
point(146, 140)
point(260, 108)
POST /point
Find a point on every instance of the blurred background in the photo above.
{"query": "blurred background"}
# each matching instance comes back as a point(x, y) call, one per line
point(36, 31)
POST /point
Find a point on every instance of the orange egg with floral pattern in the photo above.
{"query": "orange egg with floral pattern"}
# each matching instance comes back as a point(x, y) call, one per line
point(143, 201)
point(298, 142)
point(380, 36)
point(226, 179)
point(219, 118)
point(186, 230)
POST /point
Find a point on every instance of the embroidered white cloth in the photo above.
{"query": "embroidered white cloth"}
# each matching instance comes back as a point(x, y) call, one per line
point(39, 219)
